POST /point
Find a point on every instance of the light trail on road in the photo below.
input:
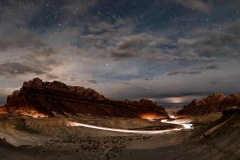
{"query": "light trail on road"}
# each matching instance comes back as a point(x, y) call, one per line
point(69, 123)
point(186, 123)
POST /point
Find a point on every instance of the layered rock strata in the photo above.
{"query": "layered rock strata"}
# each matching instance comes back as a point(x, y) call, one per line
point(50, 97)
point(211, 104)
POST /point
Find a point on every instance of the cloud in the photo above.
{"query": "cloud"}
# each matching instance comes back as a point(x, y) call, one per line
point(126, 83)
point(11, 69)
point(209, 67)
point(195, 70)
point(181, 86)
point(144, 46)
point(144, 89)
point(76, 8)
point(22, 39)
point(213, 45)
point(148, 79)
point(196, 4)
point(139, 46)
point(72, 79)
point(52, 76)
point(214, 82)
point(30, 63)
point(92, 81)
point(3, 46)
point(17, 15)
point(27, 53)
point(45, 52)
point(131, 46)
point(45, 63)
point(229, 37)
point(173, 73)
point(163, 49)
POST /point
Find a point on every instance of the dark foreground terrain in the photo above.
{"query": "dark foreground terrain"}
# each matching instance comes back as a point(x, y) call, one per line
point(52, 138)
point(50, 120)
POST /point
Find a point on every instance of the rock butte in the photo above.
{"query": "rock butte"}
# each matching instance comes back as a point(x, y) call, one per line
point(211, 104)
point(49, 97)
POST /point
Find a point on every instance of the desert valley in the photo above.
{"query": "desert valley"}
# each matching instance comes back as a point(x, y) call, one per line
point(50, 120)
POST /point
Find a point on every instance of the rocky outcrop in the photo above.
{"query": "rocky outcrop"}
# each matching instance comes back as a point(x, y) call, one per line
point(211, 104)
point(3, 110)
point(49, 97)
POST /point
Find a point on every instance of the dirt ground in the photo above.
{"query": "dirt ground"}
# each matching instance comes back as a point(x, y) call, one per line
point(51, 139)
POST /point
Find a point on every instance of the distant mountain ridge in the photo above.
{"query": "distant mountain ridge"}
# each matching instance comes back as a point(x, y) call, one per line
point(49, 97)
point(213, 103)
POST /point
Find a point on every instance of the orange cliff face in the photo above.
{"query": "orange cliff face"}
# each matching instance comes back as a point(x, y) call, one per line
point(24, 111)
point(49, 97)
point(32, 113)
point(3, 110)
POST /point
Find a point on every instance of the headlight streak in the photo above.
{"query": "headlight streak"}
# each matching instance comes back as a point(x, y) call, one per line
point(185, 123)
point(69, 123)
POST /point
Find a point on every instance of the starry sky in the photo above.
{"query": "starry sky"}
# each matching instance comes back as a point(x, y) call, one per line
point(169, 51)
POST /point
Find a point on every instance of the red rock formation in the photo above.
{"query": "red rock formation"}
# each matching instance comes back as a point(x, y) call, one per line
point(231, 100)
point(46, 97)
point(212, 103)
point(3, 110)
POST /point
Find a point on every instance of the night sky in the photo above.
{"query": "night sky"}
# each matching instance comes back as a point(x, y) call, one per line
point(169, 51)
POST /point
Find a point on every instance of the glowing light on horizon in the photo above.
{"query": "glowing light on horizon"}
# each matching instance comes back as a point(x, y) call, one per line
point(151, 116)
point(175, 99)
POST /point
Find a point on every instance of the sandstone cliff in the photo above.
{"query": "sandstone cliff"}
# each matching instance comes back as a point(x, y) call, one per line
point(3, 110)
point(49, 97)
point(211, 104)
